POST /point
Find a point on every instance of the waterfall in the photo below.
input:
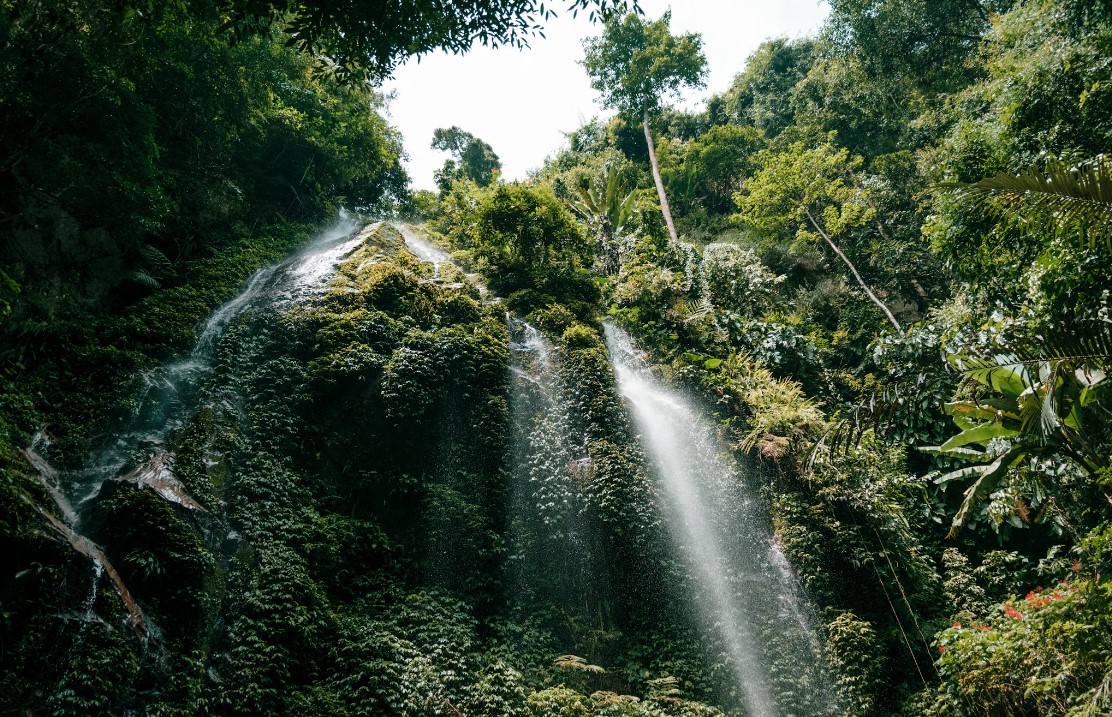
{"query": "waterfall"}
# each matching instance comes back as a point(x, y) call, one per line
point(169, 393)
point(426, 251)
point(548, 555)
point(745, 591)
point(423, 249)
point(167, 396)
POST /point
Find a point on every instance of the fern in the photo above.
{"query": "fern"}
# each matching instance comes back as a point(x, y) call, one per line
point(575, 662)
point(697, 309)
point(143, 277)
point(155, 266)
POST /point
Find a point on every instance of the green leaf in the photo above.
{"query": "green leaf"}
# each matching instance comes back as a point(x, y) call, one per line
point(990, 478)
point(967, 453)
point(959, 474)
point(982, 434)
point(713, 363)
point(972, 410)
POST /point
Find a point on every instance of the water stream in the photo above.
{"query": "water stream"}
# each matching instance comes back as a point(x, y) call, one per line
point(424, 250)
point(547, 549)
point(752, 609)
point(745, 590)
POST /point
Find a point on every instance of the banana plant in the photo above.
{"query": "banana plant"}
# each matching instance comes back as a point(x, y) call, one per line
point(607, 205)
point(1029, 408)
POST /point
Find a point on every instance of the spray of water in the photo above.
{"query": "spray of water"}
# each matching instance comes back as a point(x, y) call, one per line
point(166, 397)
point(744, 588)
point(423, 249)
point(170, 393)
point(548, 551)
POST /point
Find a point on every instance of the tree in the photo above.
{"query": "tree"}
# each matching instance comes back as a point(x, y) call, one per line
point(525, 236)
point(800, 186)
point(472, 158)
point(928, 41)
point(761, 94)
point(607, 205)
point(636, 65)
point(719, 161)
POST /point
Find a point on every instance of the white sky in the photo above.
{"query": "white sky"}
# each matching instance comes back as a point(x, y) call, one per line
point(522, 101)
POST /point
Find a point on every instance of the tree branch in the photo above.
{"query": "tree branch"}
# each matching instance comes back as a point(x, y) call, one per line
point(852, 268)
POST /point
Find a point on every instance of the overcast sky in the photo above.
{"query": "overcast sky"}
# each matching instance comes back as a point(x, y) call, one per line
point(522, 101)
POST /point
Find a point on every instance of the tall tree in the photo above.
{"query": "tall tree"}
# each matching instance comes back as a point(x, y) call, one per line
point(471, 157)
point(637, 65)
point(803, 187)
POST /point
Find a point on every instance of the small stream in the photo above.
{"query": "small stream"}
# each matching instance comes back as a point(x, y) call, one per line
point(134, 449)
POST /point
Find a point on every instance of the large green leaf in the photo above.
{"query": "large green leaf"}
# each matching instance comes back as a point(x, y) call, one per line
point(967, 453)
point(965, 412)
point(982, 434)
point(990, 479)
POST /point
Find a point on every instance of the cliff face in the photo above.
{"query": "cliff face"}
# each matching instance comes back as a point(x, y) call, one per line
point(370, 493)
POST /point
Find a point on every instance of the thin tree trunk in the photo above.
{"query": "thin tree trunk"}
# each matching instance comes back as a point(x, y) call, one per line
point(874, 297)
point(664, 208)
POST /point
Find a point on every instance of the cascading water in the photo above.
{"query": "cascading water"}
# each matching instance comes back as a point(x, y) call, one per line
point(547, 550)
point(424, 250)
point(168, 396)
point(745, 590)
point(170, 392)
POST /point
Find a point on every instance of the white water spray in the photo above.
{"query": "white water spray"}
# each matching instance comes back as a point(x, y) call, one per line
point(424, 250)
point(744, 587)
point(170, 392)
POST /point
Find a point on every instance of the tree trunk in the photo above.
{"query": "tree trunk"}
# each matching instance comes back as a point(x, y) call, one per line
point(874, 297)
point(664, 208)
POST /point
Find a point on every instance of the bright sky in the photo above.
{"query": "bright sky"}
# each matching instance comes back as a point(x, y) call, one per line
point(523, 101)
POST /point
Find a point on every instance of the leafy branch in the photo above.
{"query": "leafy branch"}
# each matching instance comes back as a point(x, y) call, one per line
point(1031, 408)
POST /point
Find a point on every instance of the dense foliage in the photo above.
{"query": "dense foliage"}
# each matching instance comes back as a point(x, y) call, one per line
point(417, 491)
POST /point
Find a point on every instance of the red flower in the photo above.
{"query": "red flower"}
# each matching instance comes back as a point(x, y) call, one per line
point(1012, 612)
point(941, 649)
point(957, 624)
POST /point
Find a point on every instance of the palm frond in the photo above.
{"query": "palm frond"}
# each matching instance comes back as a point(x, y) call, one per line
point(1085, 342)
point(144, 277)
point(874, 413)
point(155, 259)
point(1070, 197)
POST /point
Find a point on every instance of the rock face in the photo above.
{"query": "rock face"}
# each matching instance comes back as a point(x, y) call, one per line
point(386, 494)
point(157, 474)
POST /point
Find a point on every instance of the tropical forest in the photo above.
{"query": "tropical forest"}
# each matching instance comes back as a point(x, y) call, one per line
point(789, 401)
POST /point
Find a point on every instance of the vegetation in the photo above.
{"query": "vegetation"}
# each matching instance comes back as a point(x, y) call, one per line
point(878, 261)
point(472, 158)
point(636, 65)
